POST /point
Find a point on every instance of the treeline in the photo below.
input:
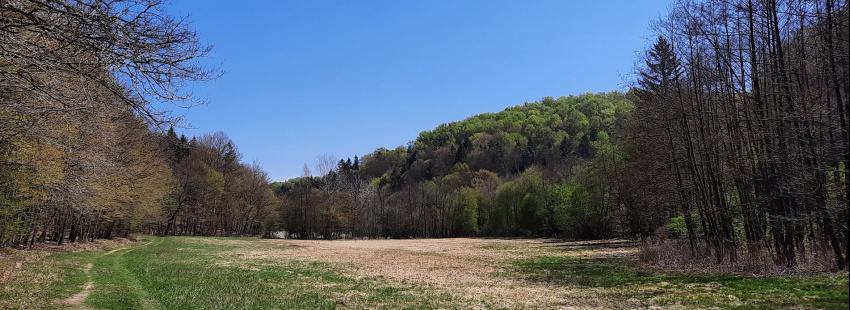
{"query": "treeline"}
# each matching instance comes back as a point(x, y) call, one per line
point(530, 170)
point(80, 154)
point(91, 174)
point(740, 128)
point(214, 193)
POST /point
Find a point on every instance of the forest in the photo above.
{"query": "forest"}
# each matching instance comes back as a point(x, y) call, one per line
point(84, 151)
point(731, 143)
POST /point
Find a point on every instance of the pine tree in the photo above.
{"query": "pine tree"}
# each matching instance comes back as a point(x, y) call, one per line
point(662, 70)
point(660, 108)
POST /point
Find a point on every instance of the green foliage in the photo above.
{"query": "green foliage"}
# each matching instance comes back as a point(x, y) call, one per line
point(503, 213)
point(582, 215)
point(676, 227)
point(578, 207)
point(465, 212)
point(215, 181)
point(281, 188)
point(532, 216)
point(519, 207)
point(536, 126)
point(560, 220)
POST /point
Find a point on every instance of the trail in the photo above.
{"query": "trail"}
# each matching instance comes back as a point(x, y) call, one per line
point(110, 260)
point(133, 285)
point(78, 299)
point(115, 250)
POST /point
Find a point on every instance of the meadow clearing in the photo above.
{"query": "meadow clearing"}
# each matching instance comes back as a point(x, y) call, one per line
point(248, 273)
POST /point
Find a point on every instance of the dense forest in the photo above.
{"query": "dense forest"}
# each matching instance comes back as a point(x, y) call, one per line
point(743, 105)
point(732, 143)
point(82, 151)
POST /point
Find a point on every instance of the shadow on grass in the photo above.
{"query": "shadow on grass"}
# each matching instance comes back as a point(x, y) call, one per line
point(822, 291)
point(577, 245)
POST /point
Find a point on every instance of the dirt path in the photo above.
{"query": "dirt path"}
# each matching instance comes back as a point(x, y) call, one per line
point(472, 269)
point(113, 251)
point(78, 299)
point(132, 284)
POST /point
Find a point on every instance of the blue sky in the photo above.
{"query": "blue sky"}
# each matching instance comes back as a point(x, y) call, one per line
point(311, 78)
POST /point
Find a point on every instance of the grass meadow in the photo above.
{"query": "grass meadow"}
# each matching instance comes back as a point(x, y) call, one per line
point(245, 273)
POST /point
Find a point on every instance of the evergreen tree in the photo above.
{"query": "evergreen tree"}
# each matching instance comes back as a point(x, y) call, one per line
point(662, 70)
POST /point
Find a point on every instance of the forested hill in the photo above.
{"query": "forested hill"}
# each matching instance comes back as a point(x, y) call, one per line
point(510, 173)
point(550, 131)
point(512, 140)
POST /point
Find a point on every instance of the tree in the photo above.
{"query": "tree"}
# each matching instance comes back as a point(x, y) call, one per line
point(131, 49)
point(76, 80)
point(660, 112)
point(752, 126)
point(465, 212)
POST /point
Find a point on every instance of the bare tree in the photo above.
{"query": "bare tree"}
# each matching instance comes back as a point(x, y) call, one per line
point(130, 48)
point(755, 129)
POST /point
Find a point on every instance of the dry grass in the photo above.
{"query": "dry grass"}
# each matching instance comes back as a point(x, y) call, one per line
point(38, 279)
point(467, 269)
point(673, 254)
point(12, 260)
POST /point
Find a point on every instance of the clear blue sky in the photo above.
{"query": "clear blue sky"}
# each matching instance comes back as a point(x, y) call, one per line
point(310, 78)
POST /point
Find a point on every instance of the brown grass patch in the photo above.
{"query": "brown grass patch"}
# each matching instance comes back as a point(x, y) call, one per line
point(470, 270)
point(12, 260)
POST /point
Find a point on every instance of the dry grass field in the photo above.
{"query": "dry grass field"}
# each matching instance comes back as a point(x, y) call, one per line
point(245, 273)
point(471, 270)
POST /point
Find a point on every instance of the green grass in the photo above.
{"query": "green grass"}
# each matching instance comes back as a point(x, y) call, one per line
point(623, 279)
point(116, 287)
point(182, 273)
point(185, 273)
